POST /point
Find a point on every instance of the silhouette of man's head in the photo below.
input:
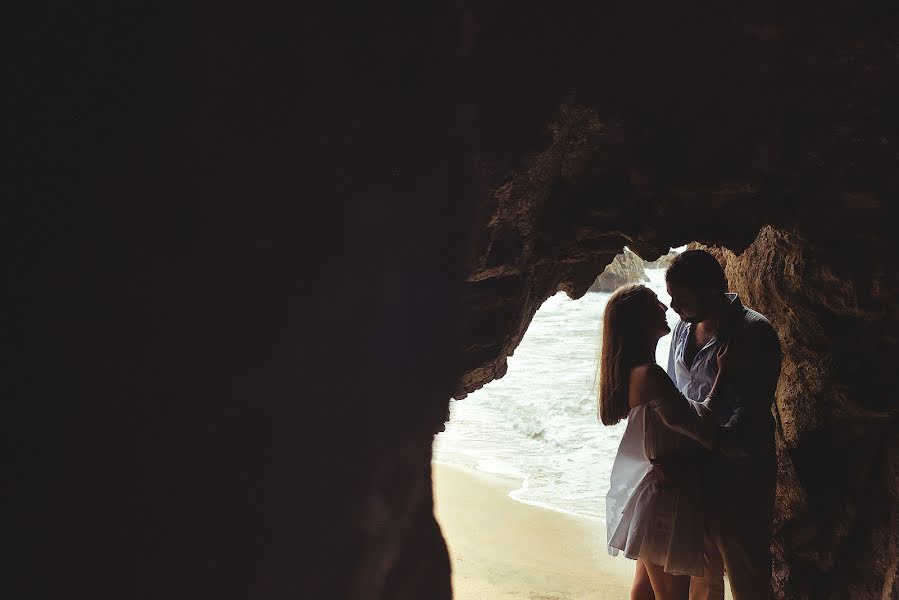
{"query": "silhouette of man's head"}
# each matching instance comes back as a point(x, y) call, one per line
point(696, 284)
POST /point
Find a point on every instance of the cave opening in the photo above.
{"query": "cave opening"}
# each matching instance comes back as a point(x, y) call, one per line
point(523, 464)
point(833, 427)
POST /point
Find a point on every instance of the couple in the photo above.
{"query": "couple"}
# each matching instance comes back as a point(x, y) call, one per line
point(692, 486)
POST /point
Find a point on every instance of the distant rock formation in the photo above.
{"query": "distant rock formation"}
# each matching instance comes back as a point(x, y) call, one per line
point(626, 268)
point(663, 262)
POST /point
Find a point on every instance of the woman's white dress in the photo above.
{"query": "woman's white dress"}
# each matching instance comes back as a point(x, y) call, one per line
point(662, 526)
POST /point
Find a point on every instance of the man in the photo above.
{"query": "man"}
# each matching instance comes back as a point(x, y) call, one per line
point(739, 474)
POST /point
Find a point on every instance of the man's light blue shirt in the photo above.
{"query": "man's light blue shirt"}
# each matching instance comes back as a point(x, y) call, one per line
point(746, 429)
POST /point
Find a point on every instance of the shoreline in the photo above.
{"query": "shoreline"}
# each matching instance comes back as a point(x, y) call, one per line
point(501, 547)
point(522, 481)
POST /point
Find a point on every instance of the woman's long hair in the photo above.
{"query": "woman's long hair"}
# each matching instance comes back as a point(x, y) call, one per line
point(622, 334)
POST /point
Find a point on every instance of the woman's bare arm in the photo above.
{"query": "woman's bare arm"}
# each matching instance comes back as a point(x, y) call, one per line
point(693, 418)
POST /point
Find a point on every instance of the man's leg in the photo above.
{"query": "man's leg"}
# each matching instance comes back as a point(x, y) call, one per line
point(711, 585)
point(742, 533)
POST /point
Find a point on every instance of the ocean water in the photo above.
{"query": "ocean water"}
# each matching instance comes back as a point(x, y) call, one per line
point(539, 422)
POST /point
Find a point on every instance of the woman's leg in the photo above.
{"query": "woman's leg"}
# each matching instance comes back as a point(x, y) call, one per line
point(641, 589)
point(667, 586)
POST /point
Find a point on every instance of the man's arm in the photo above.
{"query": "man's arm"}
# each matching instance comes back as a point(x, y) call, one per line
point(754, 390)
point(693, 418)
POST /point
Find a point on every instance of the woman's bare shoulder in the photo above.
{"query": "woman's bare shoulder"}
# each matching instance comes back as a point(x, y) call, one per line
point(649, 373)
point(648, 382)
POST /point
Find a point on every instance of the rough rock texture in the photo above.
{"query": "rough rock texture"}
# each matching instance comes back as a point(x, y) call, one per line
point(838, 490)
point(626, 268)
point(662, 262)
point(258, 246)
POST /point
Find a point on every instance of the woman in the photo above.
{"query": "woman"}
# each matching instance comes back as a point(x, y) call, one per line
point(657, 522)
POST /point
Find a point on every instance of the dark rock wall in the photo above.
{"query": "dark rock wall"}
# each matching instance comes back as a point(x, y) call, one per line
point(234, 272)
point(837, 418)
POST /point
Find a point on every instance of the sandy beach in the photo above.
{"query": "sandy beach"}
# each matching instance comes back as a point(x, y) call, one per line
point(503, 549)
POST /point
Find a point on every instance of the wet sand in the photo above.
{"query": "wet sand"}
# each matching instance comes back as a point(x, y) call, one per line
point(503, 549)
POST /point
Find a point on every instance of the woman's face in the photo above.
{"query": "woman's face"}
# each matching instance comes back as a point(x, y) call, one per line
point(656, 320)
